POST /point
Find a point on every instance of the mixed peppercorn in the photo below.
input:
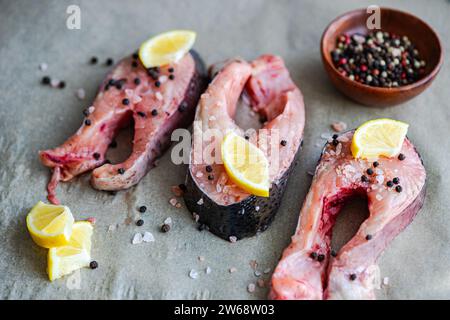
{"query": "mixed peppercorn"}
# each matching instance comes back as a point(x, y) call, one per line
point(379, 59)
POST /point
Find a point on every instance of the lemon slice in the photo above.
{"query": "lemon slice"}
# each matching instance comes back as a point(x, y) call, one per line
point(246, 165)
point(166, 48)
point(50, 225)
point(75, 255)
point(380, 137)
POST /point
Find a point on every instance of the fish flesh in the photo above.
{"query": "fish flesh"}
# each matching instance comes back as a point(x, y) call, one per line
point(395, 192)
point(264, 85)
point(158, 100)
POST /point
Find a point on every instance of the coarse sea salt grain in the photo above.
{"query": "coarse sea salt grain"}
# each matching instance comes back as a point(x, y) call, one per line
point(173, 201)
point(54, 83)
point(112, 227)
point(91, 109)
point(148, 237)
point(81, 94)
point(232, 239)
point(208, 270)
point(257, 273)
point(137, 239)
point(193, 274)
point(200, 202)
point(168, 221)
point(199, 174)
point(43, 66)
point(232, 270)
point(159, 96)
point(379, 197)
point(201, 258)
point(385, 281)
point(251, 287)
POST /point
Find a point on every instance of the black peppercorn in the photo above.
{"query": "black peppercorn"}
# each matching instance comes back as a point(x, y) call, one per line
point(109, 61)
point(46, 80)
point(183, 187)
point(121, 170)
point(283, 143)
point(94, 60)
point(313, 255)
point(137, 81)
point(376, 164)
point(369, 171)
point(171, 69)
point(62, 85)
point(398, 188)
point(389, 183)
point(368, 237)
point(396, 180)
point(353, 277)
point(126, 101)
point(113, 144)
point(87, 122)
point(171, 77)
point(210, 177)
point(140, 222)
point(320, 257)
point(333, 253)
point(142, 209)
point(96, 155)
point(165, 227)
point(401, 157)
point(157, 83)
point(208, 168)
point(154, 112)
point(93, 265)
point(141, 114)
point(364, 178)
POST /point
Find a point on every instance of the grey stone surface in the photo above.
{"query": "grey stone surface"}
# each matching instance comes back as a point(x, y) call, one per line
point(33, 117)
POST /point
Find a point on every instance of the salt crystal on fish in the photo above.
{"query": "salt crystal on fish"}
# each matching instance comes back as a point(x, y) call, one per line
point(257, 273)
point(112, 227)
point(232, 270)
point(137, 99)
point(54, 83)
point(256, 208)
point(193, 274)
point(148, 237)
point(159, 96)
point(385, 281)
point(199, 174)
point(168, 221)
point(212, 118)
point(129, 93)
point(232, 239)
point(201, 258)
point(91, 109)
point(208, 270)
point(379, 179)
point(379, 197)
point(137, 239)
point(200, 202)
point(163, 78)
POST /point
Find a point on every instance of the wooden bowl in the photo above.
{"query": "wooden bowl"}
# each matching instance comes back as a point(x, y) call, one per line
point(395, 21)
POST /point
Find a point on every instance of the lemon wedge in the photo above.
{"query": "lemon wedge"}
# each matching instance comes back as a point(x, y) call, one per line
point(50, 225)
point(246, 165)
point(165, 48)
point(379, 137)
point(76, 254)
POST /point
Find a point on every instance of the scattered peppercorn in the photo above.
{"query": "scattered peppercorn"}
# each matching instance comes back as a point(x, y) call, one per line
point(141, 114)
point(335, 142)
point(370, 171)
point(46, 80)
point(152, 74)
point(376, 164)
point(121, 170)
point(333, 253)
point(93, 265)
point(210, 177)
point(96, 155)
point(135, 55)
point(171, 69)
point(157, 83)
point(398, 188)
point(320, 257)
point(137, 81)
point(85, 112)
point(182, 107)
point(113, 144)
point(87, 122)
point(165, 227)
point(364, 178)
point(134, 64)
point(335, 136)
point(109, 61)
point(246, 137)
point(389, 183)
point(368, 237)
point(353, 277)
point(94, 60)
point(283, 143)
point(313, 255)
point(142, 209)
point(171, 77)
point(140, 222)
point(62, 85)
point(126, 101)
point(208, 168)
point(396, 180)
point(401, 157)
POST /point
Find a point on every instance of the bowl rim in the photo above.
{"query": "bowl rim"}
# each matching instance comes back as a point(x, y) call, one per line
point(326, 56)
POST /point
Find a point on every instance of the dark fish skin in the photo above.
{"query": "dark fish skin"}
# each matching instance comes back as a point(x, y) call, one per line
point(240, 219)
